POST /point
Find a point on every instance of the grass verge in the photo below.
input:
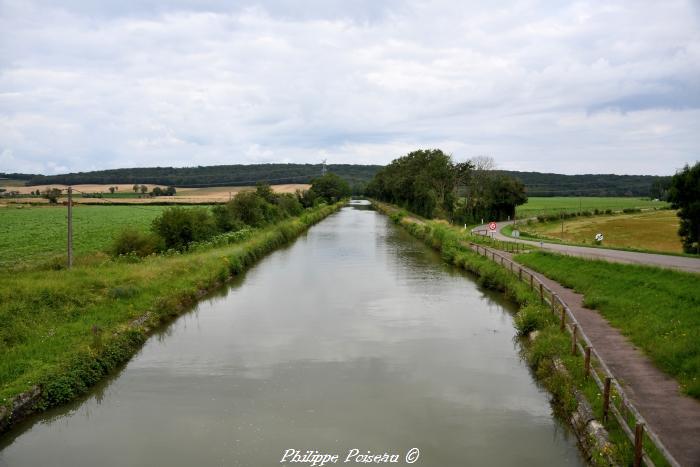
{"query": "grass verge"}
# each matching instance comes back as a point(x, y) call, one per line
point(550, 346)
point(657, 309)
point(62, 331)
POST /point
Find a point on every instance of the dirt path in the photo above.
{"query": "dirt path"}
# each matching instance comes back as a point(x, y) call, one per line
point(683, 263)
point(672, 415)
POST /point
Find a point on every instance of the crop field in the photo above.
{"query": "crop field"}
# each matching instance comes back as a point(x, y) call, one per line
point(535, 205)
point(100, 194)
point(651, 230)
point(30, 233)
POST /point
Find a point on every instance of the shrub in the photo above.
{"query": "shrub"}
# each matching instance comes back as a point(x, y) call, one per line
point(178, 227)
point(530, 318)
point(307, 198)
point(289, 204)
point(132, 241)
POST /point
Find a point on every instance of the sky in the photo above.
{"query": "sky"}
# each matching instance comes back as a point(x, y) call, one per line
point(549, 86)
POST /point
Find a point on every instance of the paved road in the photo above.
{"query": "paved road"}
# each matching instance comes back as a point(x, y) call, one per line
point(665, 261)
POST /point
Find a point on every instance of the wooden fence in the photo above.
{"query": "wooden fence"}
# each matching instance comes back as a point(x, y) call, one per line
point(512, 247)
point(627, 416)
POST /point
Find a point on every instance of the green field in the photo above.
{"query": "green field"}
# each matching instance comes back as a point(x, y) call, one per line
point(535, 205)
point(32, 233)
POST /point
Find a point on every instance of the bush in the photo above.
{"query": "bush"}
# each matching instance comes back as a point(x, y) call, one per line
point(530, 318)
point(178, 227)
point(289, 204)
point(132, 241)
point(307, 198)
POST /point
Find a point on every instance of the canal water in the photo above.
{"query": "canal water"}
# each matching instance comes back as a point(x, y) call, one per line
point(356, 336)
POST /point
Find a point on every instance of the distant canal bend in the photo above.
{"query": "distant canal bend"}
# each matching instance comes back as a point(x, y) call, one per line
point(357, 336)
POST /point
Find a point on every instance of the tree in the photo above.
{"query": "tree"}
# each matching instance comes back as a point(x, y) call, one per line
point(422, 181)
point(112, 189)
point(143, 189)
point(659, 189)
point(330, 187)
point(684, 195)
point(52, 195)
point(135, 188)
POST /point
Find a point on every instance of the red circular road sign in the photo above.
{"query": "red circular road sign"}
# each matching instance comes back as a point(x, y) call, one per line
point(492, 226)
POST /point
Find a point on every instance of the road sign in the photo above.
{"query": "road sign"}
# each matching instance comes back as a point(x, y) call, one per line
point(492, 226)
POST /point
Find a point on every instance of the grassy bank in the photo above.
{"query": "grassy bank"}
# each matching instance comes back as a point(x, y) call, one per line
point(533, 318)
point(64, 330)
point(658, 309)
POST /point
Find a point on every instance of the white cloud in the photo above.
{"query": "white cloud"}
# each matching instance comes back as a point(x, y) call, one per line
point(583, 87)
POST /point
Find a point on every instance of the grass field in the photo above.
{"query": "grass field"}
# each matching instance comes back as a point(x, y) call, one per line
point(658, 309)
point(535, 205)
point(31, 233)
point(653, 231)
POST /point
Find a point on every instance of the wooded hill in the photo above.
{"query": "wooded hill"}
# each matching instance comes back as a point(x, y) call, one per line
point(549, 184)
point(537, 184)
point(234, 175)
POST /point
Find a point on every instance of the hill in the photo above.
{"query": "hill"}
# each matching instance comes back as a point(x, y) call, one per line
point(234, 175)
point(550, 184)
point(538, 184)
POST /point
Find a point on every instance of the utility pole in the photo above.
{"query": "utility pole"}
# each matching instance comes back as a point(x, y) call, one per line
point(323, 168)
point(70, 227)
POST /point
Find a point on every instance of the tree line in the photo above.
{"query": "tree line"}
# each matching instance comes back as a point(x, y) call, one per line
point(358, 176)
point(177, 228)
point(431, 184)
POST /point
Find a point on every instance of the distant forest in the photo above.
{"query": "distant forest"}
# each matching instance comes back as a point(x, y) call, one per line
point(548, 184)
point(537, 184)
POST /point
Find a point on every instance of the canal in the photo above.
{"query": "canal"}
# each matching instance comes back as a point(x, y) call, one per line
point(356, 336)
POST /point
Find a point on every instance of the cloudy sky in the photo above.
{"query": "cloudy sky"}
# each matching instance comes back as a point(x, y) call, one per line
point(580, 87)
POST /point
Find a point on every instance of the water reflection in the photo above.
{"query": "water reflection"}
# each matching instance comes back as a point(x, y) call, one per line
point(356, 336)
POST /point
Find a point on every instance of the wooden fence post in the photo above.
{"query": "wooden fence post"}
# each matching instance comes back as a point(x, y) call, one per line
point(562, 324)
point(573, 338)
point(638, 444)
point(520, 273)
point(532, 285)
point(551, 302)
point(606, 398)
point(587, 361)
point(541, 293)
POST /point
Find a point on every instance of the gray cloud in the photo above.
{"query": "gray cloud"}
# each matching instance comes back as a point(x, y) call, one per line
point(571, 88)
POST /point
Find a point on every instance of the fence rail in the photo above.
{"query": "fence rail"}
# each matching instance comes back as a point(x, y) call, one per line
point(594, 366)
point(509, 246)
